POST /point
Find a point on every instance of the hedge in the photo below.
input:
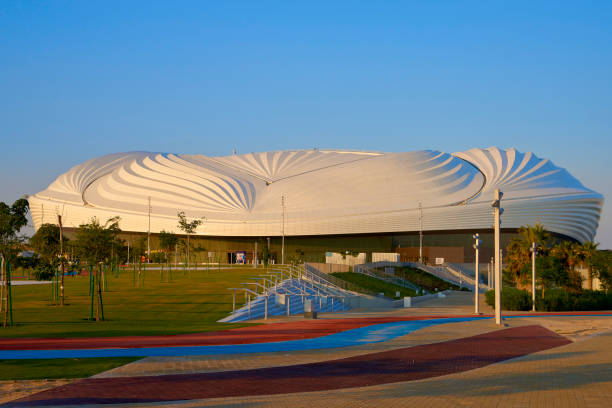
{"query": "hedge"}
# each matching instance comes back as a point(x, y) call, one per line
point(555, 300)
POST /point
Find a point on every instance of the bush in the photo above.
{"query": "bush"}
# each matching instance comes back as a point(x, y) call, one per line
point(44, 271)
point(158, 257)
point(555, 300)
point(559, 300)
point(511, 299)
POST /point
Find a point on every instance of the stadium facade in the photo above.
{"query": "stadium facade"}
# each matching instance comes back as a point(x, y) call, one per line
point(326, 200)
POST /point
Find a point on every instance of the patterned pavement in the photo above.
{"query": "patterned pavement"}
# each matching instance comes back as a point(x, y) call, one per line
point(406, 364)
point(464, 363)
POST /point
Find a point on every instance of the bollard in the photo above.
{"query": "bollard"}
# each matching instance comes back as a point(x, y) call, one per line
point(288, 304)
point(407, 301)
point(234, 301)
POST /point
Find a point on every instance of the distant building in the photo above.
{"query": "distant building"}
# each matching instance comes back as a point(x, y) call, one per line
point(326, 200)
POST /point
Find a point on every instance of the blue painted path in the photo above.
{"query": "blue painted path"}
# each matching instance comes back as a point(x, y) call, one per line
point(354, 337)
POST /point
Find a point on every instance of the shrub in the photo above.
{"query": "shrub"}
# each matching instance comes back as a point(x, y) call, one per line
point(559, 300)
point(44, 271)
point(158, 257)
point(511, 299)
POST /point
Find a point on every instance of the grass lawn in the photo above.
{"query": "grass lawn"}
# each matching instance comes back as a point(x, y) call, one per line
point(424, 280)
point(185, 305)
point(59, 368)
point(373, 284)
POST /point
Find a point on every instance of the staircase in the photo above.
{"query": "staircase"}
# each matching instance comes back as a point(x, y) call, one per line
point(289, 296)
point(374, 273)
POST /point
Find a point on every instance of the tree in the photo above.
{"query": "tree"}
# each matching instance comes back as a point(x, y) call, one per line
point(518, 255)
point(168, 241)
point(551, 273)
point(587, 252)
point(601, 264)
point(536, 234)
point(12, 219)
point(46, 241)
point(188, 228)
point(265, 255)
point(569, 255)
point(94, 243)
point(516, 258)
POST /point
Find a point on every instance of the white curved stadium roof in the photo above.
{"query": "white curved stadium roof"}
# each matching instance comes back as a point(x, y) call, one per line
point(326, 192)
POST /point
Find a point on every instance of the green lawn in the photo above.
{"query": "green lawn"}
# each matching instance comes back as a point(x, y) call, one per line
point(373, 284)
point(424, 280)
point(59, 368)
point(185, 305)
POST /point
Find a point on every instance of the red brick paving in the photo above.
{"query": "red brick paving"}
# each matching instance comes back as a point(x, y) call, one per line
point(404, 364)
point(255, 334)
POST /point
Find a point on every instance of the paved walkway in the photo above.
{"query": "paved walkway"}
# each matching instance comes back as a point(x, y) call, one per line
point(397, 365)
point(578, 375)
point(538, 360)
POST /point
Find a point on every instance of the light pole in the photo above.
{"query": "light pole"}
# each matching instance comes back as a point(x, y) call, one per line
point(477, 242)
point(497, 212)
point(149, 234)
point(283, 240)
point(420, 233)
point(492, 281)
point(534, 252)
point(61, 237)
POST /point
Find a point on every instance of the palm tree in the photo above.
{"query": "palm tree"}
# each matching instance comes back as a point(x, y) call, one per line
point(569, 254)
point(587, 252)
point(536, 234)
point(518, 254)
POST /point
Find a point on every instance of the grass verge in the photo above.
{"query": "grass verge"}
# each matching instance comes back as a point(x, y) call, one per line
point(59, 368)
point(373, 284)
point(154, 305)
point(424, 280)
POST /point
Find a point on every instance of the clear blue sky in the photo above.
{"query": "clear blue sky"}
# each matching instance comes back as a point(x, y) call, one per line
point(85, 78)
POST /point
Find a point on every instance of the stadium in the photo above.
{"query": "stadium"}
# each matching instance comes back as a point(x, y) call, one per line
point(321, 201)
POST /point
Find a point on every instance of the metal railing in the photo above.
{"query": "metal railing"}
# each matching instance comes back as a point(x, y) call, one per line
point(385, 277)
point(332, 280)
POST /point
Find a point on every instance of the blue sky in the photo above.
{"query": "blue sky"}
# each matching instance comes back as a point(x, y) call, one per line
point(85, 78)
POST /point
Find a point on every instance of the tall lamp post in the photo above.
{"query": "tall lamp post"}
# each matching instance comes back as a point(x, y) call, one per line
point(420, 233)
point(149, 234)
point(497, 212)
point(476, 245)
point(534, 252)
point(283, 230)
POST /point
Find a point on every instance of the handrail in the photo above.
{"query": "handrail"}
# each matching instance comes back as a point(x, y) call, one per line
point(337, 282)
point(385, 277)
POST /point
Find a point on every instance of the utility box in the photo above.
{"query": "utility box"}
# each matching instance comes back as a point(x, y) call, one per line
point(309, 312)
point(407, 301)
point(280, 299)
